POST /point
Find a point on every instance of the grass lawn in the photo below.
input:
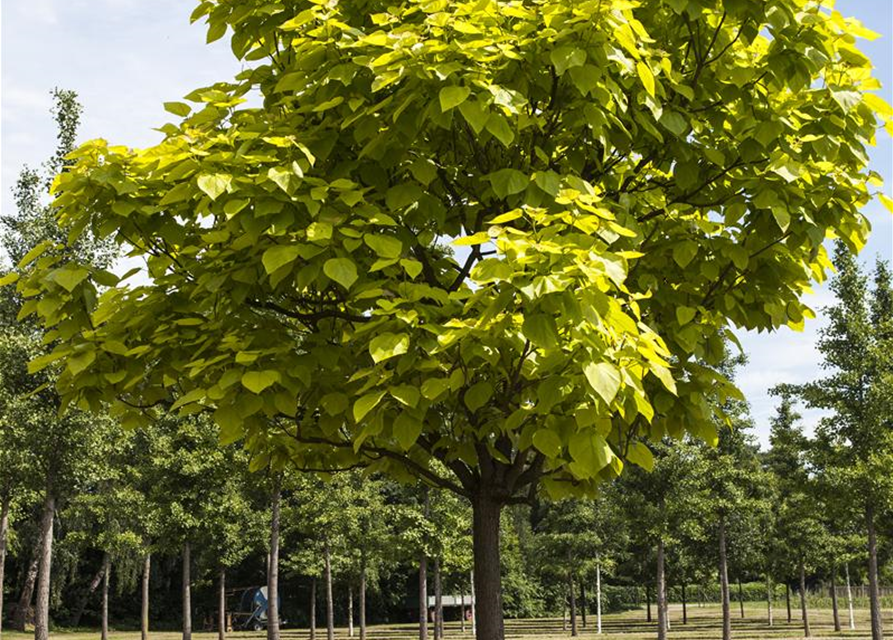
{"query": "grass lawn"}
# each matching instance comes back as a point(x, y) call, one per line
point(703, 624)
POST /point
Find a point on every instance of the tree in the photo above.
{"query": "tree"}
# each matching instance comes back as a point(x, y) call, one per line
point(623, 185)
point(856, 346)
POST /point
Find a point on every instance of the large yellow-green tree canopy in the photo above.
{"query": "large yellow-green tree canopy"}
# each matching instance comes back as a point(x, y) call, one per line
point(491, 243)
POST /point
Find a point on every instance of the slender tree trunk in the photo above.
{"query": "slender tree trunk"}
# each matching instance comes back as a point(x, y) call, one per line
point(769, 599)
point(462, 600)
point(571, 591)
point(684, 606)
point(803, 610)
point(834, 608)
point(24, 604)
point(564, 613)
point(438, 602)
point(423, 597)
point(350, 611)
point(488, 581)
point(740, 597)
point(4, 533)
point(313, 608)
point(877, 627)
point(647, 603)
point(787, 597)
point(363, 597)
point(583, 602)
point(849, 597)
point(474, 613)
point(106, 575)
point(84, 598)
point(273, 567)
point(661, 593)
point(598, 595)
point(144, 609)
point(724, 582)
point(330, 600)
point(187, 592)
point(221, 605)
point(44, 572)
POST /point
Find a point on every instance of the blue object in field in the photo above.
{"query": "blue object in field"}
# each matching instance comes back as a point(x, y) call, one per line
point(254, 606)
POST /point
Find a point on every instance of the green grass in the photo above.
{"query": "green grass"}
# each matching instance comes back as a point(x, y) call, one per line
point(703, 624)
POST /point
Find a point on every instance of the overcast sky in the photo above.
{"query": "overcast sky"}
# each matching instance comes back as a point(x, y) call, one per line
point(126, 57)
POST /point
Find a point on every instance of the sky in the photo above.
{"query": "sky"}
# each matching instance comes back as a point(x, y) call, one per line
point(126, 57)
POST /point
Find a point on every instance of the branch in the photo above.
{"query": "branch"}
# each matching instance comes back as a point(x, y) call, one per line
point(307, 318)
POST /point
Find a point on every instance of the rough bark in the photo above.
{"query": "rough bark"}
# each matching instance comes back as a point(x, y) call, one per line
point(724, 583)
point(423, 597)
point(106, 575)
point(438, 602)
point(804, 612)
point(144, 609)
point(187, 592)
point(44, 571)
point(363, 598)
point(485, 532)
point(874, 597)
point(769, 600)
point(330, 600)
point(75, 620)
point(24, 605)
point(571, 591)
point(4, 532)
point(312, 608)
point(834, 608)
point(221, 604)
point(661, 593)
point(849, 597)
point(598, 595)
point(273, 567)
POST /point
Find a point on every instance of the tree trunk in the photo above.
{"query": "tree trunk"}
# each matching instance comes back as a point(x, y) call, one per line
point(221, 605)
point(877, 627)
point(4, 532)
point(583, 602)
point(44, 572)
point(423, 597)
point(363, 598)
point(75, 619)
point(350, 611)
point(684, 606)
point(724, 583)
point(740, 597)
point(438, 601)
point(834, 608)
point(769, 599)
point(647, 604)
point(144, 609)
point(187, 592)
point(573, 602)
point(462, 617)
point(24, 605)
point(330, 600)
point(273, 567)
point(598, 595)
point(803, 610)
point(849, 597)
point(787, 597)
point(106, 571)
point(313, 608)
point(474, 613)
point(661, 593)
point(488, 581)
